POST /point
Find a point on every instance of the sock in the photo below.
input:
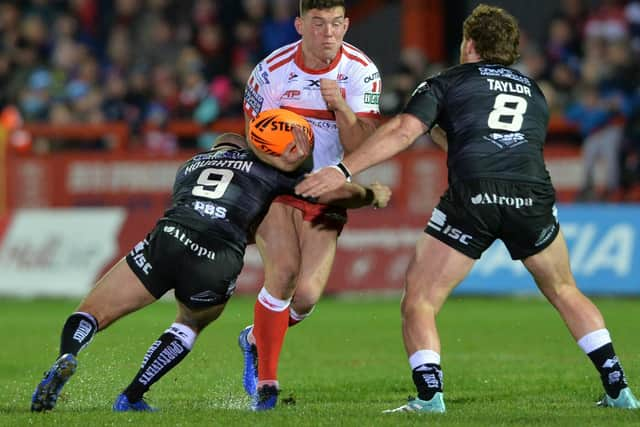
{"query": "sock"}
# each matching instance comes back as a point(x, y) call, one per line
point(163, 355)
point(270, 324)
point(77, 333)
point(600, 350)
point(426, 373)
point(295, 317)
point(428, 380)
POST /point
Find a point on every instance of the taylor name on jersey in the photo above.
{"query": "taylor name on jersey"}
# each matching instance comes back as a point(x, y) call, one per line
point(282, 81)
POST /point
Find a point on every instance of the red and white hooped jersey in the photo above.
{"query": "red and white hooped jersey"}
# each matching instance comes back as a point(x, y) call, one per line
point(282, 81)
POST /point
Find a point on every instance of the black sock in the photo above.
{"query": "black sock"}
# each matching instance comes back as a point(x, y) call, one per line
point(77, 332)
point(611, 373)
point(162, 356)
point(428, 380)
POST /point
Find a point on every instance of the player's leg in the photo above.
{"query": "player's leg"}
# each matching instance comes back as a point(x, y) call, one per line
point(277, 242)
point(118, 293)
point(317, 252)
point(552, 273)
point(165, 354)
point(434, 271)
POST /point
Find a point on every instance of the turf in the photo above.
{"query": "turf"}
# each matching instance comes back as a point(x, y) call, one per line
point(506, 362)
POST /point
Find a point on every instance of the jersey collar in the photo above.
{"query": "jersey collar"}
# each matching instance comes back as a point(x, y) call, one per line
point(300, 62)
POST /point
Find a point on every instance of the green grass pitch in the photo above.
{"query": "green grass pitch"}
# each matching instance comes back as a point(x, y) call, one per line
point(506, 362)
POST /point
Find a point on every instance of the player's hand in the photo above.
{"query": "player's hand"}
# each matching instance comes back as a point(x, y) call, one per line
point(330, 91)
point(320, 182)
point(299, 148)
point(381, 195)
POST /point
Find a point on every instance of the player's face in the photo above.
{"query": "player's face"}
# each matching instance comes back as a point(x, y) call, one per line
point(322, 31)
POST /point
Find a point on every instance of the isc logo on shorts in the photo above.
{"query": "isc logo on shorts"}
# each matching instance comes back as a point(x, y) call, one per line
point(438, 221)
point(139, 258)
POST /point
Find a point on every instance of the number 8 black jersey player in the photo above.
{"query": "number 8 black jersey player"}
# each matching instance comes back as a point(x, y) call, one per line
point(196, 249)
point(492, 120)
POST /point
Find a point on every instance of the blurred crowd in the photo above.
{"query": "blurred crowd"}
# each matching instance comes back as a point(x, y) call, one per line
point(149, 61)
point(143, 62)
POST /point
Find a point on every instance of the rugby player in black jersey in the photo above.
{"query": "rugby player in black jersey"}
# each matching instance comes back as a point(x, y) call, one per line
point(492, 122)
point(197, 249)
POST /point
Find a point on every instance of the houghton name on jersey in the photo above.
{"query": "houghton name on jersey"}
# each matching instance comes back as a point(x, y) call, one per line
point(495, 119)
point(225, 193)
point(282, 81)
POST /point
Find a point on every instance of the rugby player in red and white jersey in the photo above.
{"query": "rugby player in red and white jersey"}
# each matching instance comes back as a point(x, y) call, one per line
point(336, 87)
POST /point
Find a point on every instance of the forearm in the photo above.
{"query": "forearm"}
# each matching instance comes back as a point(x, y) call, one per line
point(388, 140)
point(352, 129)
point(349, 196)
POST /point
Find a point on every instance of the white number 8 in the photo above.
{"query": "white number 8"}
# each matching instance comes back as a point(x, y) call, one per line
point(220, 181)
point(502, 110)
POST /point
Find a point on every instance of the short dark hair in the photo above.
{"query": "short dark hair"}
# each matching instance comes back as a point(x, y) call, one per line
point(495, 33)
point(307, 5)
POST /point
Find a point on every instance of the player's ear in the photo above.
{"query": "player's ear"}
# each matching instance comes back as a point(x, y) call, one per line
point(346, 24)
point(298, 24)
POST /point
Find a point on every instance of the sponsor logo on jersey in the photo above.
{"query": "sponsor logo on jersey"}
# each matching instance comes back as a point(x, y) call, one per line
point(494, 199)
point(210, 209)
point(312, 83)
point(253, 99)
point(139, 258)
point(438, 222)
point(504, 140)
point(371, 98)
point(194, 247)
point(292, 77)
point(372, 77)
point(262, 76)
point(292, 94)
point(342, 77)
point(504, 72)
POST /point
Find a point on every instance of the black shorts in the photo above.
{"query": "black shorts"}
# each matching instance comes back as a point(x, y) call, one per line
point(472, 214)
point(202, 270)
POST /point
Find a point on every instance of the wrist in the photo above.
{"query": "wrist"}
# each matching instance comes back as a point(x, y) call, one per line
point(343, 170)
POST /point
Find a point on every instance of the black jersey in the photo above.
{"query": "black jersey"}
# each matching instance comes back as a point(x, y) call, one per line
point(226, 193)
point(495, 119)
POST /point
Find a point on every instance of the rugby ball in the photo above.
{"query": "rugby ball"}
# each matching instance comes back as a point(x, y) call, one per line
point(271, 130)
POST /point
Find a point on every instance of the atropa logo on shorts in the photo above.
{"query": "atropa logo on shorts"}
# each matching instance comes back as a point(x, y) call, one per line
point(494, 199)
point(188, 243)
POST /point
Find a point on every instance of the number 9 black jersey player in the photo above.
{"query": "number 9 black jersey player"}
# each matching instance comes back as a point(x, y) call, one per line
point(492, 121)
point(196, 249)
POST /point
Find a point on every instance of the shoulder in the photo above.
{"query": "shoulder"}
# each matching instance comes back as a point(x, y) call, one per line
point(357, 57)
point(280, 56)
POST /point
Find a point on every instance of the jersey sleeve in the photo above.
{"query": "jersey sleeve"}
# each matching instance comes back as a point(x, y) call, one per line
point(426, 101)
point(259, 94)
point(363, 96)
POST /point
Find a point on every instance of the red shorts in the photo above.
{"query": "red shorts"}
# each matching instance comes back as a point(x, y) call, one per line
point(332, 217)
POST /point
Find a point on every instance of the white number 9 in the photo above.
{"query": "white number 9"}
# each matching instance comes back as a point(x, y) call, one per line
point(219, 179)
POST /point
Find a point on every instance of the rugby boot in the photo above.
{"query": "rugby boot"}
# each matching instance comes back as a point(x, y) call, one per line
point(625, 399)
point(45, 396)
point(435, 405)
point(250, 356)
point(122, 404)
point(265, 398)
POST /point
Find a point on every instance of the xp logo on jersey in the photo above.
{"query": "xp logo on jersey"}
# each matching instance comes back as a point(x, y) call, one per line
point(494, 199)
point(313, 83)
point(438, 222)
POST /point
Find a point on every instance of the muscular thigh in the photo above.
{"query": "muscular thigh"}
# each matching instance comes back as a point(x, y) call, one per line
point(277, 241)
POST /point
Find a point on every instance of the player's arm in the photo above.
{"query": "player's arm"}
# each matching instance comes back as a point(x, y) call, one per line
point(352, 196)
point(388, 140)
point(439, 137)
point(353, 130)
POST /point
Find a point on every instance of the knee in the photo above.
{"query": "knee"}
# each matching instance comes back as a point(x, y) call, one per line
point(280, 279)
